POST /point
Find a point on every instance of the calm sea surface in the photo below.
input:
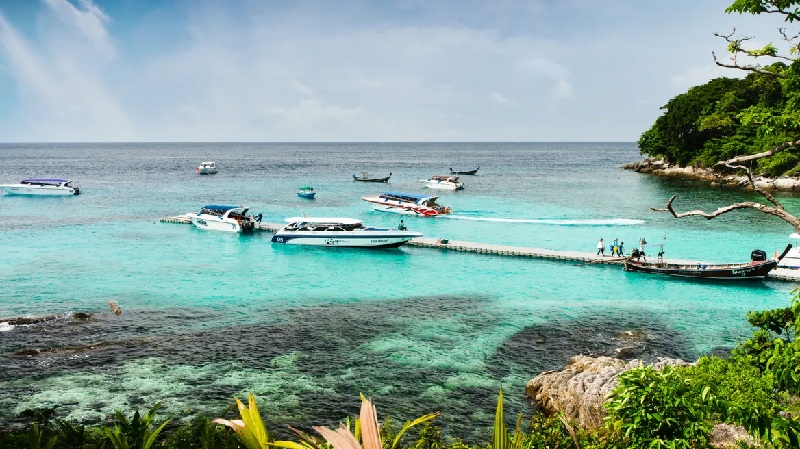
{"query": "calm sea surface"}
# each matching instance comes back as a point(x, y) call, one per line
point(207, 315)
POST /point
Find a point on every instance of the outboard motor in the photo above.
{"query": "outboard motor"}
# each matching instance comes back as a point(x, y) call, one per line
point(758, 255)
point(76, 190)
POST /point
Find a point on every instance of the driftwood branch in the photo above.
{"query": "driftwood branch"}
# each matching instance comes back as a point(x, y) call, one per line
point(775, 211)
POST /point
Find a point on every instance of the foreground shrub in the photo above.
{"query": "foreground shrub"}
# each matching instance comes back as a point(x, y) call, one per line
point(655, 409)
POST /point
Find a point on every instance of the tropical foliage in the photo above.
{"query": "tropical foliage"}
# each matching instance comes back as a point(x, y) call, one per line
point(729, 117)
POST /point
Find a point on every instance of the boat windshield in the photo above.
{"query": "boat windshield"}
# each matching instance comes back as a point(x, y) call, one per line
point(306, 226)
point(46, 182)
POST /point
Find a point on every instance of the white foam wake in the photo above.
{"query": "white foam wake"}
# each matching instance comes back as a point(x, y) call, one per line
point(553, 221)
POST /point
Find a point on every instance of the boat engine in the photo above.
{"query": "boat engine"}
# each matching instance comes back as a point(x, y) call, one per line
point(76, 190)
point(758, 255)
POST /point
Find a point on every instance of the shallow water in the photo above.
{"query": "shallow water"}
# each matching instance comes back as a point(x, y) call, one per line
point(208, 315)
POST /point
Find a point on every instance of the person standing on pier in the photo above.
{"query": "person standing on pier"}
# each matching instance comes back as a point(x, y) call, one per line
point(621, 249)
point(615, 247)
point(601, 248)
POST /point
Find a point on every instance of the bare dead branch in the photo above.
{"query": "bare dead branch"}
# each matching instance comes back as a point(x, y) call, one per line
point(753, 157)
point(748, 68)
point(775, 211)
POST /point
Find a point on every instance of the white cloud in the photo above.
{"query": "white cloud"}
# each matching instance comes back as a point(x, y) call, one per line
point(543, 67)
point(695, 76)
point(563, 90)
point(90, 20)
point(60, 83)
point(499, 98)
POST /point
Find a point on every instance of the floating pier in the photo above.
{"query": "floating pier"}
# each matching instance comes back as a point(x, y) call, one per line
point(781, 274)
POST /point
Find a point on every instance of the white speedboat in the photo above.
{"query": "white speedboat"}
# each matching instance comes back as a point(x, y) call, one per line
point(41, 186)
point(224, 218)
point(207, 168)
point(791, 260)
point(446, 182)
point(319, 231)
point(407, 203)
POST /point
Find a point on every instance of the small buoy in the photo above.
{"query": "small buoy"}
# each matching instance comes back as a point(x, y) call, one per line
point(114, 307)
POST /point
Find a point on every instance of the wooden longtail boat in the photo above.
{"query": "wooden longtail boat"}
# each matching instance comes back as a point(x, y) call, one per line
point(365, 177)
point(466, 172)
point(757, 268)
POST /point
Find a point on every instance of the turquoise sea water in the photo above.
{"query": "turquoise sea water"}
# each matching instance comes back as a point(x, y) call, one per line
point(208, 315)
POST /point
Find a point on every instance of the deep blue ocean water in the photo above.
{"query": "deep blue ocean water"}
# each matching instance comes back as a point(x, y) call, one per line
point(207, 316)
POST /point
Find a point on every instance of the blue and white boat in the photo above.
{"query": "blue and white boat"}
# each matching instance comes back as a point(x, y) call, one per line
point(223, 218)
point(337, 231)
point(41, 186)
point(306, 192)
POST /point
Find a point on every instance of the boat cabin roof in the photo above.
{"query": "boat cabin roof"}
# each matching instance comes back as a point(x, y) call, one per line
point(323, 220)
point(220, 207)
point(407, 195)
point(45, 181)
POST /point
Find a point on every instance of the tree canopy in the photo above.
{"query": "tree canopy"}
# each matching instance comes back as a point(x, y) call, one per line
point(730, 117)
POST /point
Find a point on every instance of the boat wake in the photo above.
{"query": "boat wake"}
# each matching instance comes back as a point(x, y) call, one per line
point(554, 221)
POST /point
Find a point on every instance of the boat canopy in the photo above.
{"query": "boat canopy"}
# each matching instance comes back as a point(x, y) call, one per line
point(45, 181)
point(220, 207)
point(326, 220)
point(406, 195)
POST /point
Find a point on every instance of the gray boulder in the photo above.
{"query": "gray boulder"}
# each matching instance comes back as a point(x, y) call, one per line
point(581, 388)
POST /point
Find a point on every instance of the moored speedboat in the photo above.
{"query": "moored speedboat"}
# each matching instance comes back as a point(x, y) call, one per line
point(408, 204)
point(224, 218)
point(337, 231)
point(445, 182)
point(207, 168)
point(791, 260)
point(41, 186)
point(306, 192)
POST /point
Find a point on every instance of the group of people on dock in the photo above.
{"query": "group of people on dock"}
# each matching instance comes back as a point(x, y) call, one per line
point(617, 248)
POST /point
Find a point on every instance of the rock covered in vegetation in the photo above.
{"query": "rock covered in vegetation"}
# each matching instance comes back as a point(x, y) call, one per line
point(580, 389)
point(662, 168)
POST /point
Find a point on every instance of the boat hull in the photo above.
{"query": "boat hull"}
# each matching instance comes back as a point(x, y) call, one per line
point(467, 172)
point(443, 185)
point(386, 179)
point(307, 195)
point(732, 272)
point(214, 223)
point(206, 171)
point(23, 189)
point(352, 239)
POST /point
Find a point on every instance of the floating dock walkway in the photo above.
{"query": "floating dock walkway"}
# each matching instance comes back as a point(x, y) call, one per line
point(781, 274)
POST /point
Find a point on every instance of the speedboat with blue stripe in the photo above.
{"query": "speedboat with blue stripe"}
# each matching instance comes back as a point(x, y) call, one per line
point(41, 186)
point(337, 231)
point(225, 218)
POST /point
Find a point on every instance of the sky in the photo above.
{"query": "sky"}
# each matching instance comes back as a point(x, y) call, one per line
point(354, 70)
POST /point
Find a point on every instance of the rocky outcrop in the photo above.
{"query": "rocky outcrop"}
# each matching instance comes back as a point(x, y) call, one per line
point(580, 389)
point(717, 178)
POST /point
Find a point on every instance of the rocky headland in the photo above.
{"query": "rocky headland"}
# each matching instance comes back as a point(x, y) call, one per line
point(580, 389)
point(714, 177)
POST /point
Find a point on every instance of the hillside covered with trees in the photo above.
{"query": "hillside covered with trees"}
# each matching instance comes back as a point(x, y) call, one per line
point(730, 117)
